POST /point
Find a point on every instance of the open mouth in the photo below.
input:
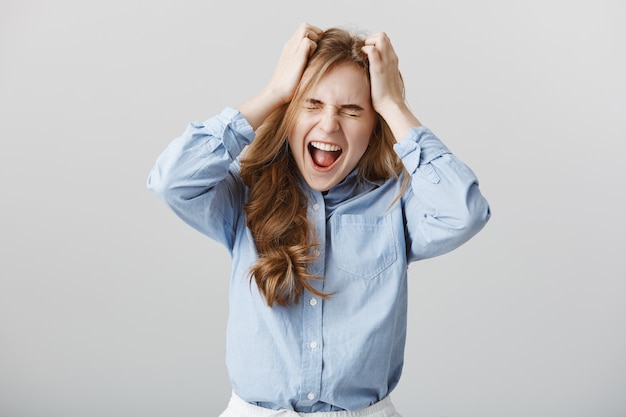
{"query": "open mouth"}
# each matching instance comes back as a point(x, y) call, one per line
point(324, 155)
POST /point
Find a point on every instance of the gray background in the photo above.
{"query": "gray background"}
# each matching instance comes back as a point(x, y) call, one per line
point(110, 306)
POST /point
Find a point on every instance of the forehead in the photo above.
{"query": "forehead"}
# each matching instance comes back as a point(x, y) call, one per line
point(345, 84)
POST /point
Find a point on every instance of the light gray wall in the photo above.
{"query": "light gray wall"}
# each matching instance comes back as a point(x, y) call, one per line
point(110, 306)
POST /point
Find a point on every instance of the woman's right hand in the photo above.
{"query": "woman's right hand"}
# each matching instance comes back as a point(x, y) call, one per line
point(286, 76)
point(293, 61)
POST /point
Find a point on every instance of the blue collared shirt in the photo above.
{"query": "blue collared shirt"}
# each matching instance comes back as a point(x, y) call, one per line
point(345, 352)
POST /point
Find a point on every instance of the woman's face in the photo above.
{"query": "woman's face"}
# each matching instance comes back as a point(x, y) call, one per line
point(333, 128)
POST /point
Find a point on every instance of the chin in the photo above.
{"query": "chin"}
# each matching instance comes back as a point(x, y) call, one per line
point(321, 186)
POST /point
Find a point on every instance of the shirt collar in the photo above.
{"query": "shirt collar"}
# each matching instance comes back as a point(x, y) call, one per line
point(349, 187)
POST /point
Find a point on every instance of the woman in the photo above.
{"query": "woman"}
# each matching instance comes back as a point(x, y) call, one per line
point(339, 188)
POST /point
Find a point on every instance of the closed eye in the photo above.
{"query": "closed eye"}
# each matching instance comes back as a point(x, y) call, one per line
point(352, 111)
point(312, 104)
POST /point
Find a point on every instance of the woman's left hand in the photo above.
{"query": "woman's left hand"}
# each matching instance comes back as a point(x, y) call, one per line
point(387, 87)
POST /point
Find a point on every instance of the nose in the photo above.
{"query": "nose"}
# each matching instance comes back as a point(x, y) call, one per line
point(329, 120)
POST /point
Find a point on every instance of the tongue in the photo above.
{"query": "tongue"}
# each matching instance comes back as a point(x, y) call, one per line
point(324, 158)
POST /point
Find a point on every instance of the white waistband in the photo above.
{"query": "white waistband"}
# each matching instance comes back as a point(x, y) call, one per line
point(240, 408)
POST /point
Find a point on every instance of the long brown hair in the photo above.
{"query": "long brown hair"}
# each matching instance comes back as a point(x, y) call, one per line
point(276, 211)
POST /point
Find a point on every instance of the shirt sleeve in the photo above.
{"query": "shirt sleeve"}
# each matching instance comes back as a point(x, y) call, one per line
point(197, 175)
point(443, 206)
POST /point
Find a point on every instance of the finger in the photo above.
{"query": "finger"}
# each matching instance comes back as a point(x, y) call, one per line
point(306, 30)
point(310, 46)
point(381, 43)
point(312, 35)
point(306, 46)
point(313, 28)
point(373, 54)
point(377, 39)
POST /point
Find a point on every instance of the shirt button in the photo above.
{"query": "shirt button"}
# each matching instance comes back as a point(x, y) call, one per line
point(313, 345)
point(316, 206)
point(313, 302)
point(310, 396)
point(316, 252)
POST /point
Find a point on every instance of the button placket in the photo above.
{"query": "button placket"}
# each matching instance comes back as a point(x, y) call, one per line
point(312, 311)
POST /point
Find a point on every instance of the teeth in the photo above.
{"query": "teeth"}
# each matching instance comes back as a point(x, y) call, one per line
point(325, 146)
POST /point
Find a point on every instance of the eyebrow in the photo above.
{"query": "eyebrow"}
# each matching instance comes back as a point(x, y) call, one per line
point(352, 107)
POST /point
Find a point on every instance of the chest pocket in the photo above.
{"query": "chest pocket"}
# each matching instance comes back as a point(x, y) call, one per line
point(363, 245)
